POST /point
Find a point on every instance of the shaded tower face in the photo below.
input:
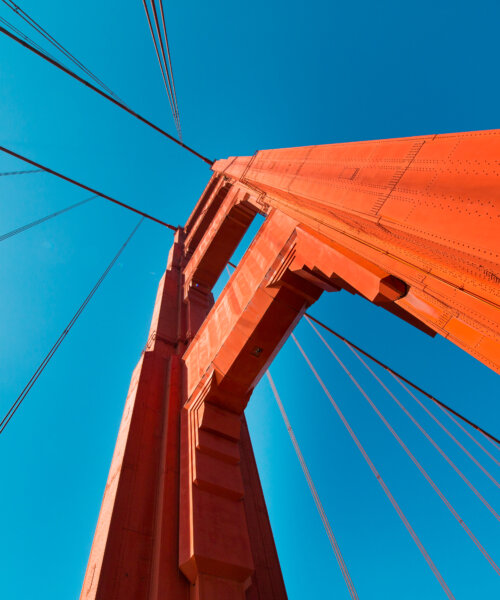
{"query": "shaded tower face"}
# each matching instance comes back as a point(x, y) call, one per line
point(409, 224)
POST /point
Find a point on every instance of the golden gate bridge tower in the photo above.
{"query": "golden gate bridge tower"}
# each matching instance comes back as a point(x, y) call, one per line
point(410, 224)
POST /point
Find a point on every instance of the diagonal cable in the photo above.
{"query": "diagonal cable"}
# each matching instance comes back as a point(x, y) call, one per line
point(15, 406)
point(46, 35)
point(86, 187)
point(312, 488)
point(377, 475)
point(461, 446)
point(412, 457)
point(169, 66)
point(71, 73)
point(473, 439)
point(427, 436)
point(162, 47)
point(25, 37)
point(492, 438)
point(160, 63)
point(14, 232)
point(20, 172)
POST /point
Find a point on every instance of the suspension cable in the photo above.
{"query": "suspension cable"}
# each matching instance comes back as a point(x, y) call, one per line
point(378, 477)
point(437, 421)
point(86, 187)
point(46, 35)
point(71, 73)
point(473, 439)
point(412, 457)
point(162, 47)
point(312, 489)
point(25, 37)
point(169, 67)
point(167, 87)
point(15, 406)
point(14, 232)
point(422, 430)
point(461, 446)
point(20, 172)
point(398, 375)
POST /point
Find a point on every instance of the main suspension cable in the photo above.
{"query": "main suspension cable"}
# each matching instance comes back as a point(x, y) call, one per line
point(15, 406)
point(86, 187)
point(46, 35)
point(312, 489)
point(377, 475)
point(71, 73)
point(14, 232)
point(412, 457)
point(401, 377)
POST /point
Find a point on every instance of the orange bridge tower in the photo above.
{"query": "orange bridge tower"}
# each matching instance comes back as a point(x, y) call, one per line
point(410, 224)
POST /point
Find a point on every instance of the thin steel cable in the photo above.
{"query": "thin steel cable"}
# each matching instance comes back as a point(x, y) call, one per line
point(169, 67)
point(20, 172)
point(25, 37)
point(402, 378)
point(377, 475)
point(473, 439)
point(160, 63)
point(312, 489)
point(46, 35)
point(490, 441)
point(71, 73)
point(434, 418)
point(157, 24)
point(412, 457)
point(15, 406)
point(427, 436)
point(86, 187)
point(463, 448)
point(14, 232)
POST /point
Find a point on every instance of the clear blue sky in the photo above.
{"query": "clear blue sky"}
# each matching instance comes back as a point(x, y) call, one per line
point(271, 73)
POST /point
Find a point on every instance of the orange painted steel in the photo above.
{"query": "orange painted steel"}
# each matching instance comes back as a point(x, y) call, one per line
point(425, 209)
point(135, 553)
point(410, 224)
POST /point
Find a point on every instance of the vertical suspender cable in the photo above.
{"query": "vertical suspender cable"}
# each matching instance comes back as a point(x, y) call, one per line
point(312, 488)
point(427, 477)
point(377, 475)
point(495, 441)
point(427, 436)
point(461, 446)
point(471, 437)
